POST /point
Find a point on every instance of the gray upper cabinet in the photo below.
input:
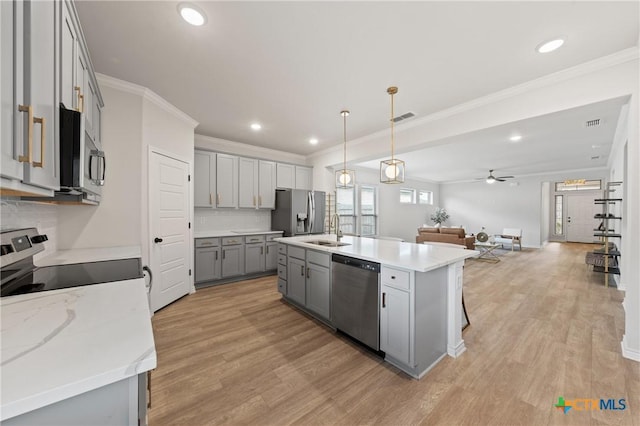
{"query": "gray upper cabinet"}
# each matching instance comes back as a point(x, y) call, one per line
point(286, 176)
point(227, 180)
point(256, 183)
point(204, 179)
point(247, 183)
point(266, 184)
point(11, 77)
point(44, 62)
point(29, 113)
point(304, 177)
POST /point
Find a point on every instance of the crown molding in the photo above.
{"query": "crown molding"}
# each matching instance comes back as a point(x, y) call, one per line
point(145, 93)
point(618, 58)
point(236, 148)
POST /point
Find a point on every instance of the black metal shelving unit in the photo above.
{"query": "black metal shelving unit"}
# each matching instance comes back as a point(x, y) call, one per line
point(605, 259)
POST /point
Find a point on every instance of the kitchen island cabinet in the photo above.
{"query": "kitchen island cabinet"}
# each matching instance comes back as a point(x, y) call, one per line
point(420, 294)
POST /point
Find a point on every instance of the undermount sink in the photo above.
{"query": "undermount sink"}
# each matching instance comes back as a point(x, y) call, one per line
point(327, 243)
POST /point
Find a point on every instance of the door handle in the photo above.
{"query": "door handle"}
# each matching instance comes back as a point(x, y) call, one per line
point(157, 240)
point(384, 300)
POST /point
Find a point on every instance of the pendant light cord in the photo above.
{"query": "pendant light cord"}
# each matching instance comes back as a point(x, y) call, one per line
point(392, 91)
point(344, 119)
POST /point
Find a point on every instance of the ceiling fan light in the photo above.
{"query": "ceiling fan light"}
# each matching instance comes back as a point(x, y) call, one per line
point(491, 179)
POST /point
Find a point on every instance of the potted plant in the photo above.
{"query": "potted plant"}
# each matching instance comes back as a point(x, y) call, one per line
point(439, 216)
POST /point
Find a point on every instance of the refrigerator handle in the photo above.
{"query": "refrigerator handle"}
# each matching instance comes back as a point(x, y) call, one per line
point(310, 211)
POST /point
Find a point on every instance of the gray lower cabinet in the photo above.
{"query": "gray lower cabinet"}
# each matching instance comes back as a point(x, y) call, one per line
point(122, 403)
point(232, 257)
point(395, 322)
point(254, 258)
point(308, 280)
point(208, 260)
point(296, 280)
point(319, 290)
point(271, 256)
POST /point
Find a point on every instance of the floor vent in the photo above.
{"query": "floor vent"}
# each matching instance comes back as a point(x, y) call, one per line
point(404, 117)
point(593, 123)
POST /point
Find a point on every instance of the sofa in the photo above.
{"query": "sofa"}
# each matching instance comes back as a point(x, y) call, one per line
point(445, 235)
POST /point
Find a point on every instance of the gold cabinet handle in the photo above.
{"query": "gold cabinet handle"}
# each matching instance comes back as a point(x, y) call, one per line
point(219, 198)
point(210, 198)
point(43, 134)
point(29, 110)
point(254, 200)
point(259, 200)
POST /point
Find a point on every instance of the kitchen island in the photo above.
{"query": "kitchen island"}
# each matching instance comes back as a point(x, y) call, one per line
point(77, 355)
point(420, 296)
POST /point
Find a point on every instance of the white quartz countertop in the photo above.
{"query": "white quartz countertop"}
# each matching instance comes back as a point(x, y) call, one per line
point(65, 257)
point(62, 343)
point(211, 234)
point(416, 257)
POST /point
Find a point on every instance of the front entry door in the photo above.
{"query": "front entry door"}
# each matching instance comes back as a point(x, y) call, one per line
point(580, 221)
point(169, 229)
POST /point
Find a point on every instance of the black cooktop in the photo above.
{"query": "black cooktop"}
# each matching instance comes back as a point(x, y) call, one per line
point(74, 275)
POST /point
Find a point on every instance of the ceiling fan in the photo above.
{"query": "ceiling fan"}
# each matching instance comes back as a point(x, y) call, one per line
point(491, 178)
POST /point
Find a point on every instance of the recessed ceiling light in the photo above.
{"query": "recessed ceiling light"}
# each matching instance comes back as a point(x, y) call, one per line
point(192, 14)
point(515, 138)
point(595, 147)
point(550, 46)
point(256, 126)
point(313, 141)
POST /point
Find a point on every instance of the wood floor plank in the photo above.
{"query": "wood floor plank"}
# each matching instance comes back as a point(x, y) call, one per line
point(542, 326)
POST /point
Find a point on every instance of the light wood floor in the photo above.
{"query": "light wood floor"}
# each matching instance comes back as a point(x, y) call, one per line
point(542, 326)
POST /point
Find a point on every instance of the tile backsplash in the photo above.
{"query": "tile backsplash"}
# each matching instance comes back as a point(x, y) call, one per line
point(231, 220)
point(22, 214)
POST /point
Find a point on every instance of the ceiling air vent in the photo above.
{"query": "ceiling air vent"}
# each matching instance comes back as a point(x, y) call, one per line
point(404, 117)
point(593, 123)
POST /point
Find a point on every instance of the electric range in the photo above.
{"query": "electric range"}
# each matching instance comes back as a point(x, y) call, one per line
point(21, 276)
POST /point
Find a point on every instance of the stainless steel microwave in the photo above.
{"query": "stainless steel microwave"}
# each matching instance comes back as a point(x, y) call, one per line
point(82, 162)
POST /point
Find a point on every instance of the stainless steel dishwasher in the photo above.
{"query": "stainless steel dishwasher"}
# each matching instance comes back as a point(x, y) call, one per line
point(355, 293)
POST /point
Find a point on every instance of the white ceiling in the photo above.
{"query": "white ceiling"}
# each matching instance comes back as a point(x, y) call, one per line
point(293, 66)
point(550, 143)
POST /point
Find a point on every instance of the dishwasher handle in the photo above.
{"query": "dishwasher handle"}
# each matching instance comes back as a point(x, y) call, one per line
point(356, 263)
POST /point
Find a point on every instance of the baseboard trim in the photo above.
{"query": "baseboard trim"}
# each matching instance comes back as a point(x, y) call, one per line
point(628, 353)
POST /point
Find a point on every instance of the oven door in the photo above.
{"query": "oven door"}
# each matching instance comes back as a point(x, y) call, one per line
point(94, 167)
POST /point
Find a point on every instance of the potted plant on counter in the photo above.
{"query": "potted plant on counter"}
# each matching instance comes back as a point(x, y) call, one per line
point(439, 216)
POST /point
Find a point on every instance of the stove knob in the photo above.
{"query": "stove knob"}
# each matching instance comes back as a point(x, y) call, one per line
point(39, 239)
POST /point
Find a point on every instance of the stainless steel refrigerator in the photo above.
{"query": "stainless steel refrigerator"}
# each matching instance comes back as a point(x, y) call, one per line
point(298, 212)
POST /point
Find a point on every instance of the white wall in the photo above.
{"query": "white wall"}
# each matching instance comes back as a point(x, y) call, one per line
point(116, 222)
point(134, 119)
point(516, 203)
point(170, 131)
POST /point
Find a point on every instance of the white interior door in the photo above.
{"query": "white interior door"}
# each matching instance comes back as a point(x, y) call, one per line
point(580, 221)
point(170, 254)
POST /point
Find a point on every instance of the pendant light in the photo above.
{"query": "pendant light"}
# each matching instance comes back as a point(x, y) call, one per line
point(345, 178)
point(392, 171)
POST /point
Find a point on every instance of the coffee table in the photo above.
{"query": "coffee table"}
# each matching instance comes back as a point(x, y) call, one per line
point(486, 251)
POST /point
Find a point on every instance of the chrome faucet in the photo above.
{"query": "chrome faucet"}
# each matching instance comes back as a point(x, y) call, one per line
point(335, 223)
